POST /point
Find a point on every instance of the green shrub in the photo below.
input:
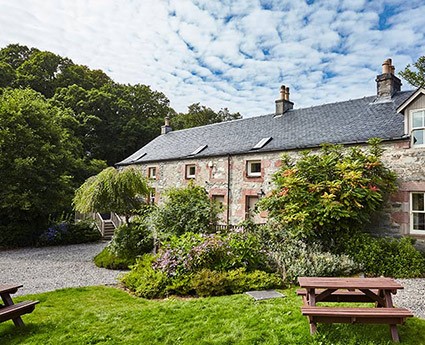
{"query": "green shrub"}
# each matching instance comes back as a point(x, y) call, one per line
point(144, 281)
point(384, 256)
point(131, 241)
point(216, 283)
point(20, 234)
point(106, 259)
point(293, 258)
point(69, 233)
point(186, 210)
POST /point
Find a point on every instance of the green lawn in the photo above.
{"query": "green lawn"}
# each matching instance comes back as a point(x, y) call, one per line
point(101, 315)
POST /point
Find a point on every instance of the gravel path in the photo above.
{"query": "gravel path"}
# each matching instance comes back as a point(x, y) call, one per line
point(51, 268)
point(412, 296)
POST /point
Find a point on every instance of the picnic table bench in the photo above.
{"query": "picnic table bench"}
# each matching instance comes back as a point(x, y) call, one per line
point(10, 310)
point(372, 290)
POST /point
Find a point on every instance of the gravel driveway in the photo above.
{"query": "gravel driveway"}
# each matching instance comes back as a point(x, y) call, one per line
point(51, 268)
point(412, 296)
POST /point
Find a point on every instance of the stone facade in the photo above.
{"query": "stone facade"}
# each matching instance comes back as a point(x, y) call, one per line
point(217, 173)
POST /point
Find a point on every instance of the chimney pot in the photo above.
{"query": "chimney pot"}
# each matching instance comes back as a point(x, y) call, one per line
point(386, 66)
point(287, 94)
point(166, 128)
point(282, 92)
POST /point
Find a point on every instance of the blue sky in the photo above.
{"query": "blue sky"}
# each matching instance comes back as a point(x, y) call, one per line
point(232, 54)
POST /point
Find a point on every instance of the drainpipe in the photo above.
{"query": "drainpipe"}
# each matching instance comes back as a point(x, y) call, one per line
point(228, 191)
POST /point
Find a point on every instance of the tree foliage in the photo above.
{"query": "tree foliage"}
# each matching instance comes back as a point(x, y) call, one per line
point(329, 191)
point(36, 159)
point(113, 120)
point(416, 76)
point(121, 191)
point(200, 115)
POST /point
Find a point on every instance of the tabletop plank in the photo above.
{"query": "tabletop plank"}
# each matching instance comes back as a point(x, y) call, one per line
point(9, 288)
point(349, 283)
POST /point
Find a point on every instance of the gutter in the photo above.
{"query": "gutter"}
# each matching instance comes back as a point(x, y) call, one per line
point(228, 192)
point(236, 153)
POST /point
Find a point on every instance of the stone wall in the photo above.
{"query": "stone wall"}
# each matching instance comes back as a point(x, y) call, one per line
point(212, 173)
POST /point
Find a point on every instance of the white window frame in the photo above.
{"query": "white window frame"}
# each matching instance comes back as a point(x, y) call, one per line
point(413, 231)
point(150, 175)
point(188, 175)
point(249, 171)
point(415, 128)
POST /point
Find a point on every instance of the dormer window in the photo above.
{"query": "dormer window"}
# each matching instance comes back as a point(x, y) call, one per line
point(418, 128)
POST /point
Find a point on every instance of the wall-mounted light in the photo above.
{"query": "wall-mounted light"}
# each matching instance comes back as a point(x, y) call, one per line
point(261, 193)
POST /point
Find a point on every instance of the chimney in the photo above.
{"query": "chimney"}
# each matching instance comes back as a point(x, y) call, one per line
point(387, 83)
point(166, 128)
point(283, 104)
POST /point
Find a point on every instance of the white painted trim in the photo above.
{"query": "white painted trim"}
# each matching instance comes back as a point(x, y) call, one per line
point(411, 231)
point(410, 99)
point(411, 129)
point(249, 171)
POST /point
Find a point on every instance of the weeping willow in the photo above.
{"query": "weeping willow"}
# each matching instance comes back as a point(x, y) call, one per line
point(120, 191)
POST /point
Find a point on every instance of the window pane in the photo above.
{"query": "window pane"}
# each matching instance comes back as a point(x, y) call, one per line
point(418, 202)
point(418, 221)
point(192, 170)
point(418, 119)
point(256, 167)
point(418, 136)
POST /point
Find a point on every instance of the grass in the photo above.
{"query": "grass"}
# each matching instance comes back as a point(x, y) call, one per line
point(104, 315)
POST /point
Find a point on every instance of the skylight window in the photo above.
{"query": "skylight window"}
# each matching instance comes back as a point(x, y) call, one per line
point(263, 142)
point(199, 149)
point(140, 157)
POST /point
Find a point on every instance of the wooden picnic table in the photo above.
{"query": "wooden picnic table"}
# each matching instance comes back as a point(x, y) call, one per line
point(373, 290)
point(10, 310)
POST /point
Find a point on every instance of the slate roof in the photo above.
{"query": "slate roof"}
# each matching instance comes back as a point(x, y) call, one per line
point(348, 122)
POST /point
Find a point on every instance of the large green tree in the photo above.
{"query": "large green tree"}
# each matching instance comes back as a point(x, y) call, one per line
point(37, 155)
point(200, 115)
point(416, 75)
point(115, 120)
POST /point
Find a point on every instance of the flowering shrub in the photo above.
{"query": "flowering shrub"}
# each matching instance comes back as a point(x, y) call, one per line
point(67, 232)
point(206, 265)
point(193, 252)
point(324, 194)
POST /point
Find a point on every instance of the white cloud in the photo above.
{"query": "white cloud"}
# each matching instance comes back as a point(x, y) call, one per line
point(230, 53)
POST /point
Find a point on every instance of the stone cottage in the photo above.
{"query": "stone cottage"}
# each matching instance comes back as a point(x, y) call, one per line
point(235, 160)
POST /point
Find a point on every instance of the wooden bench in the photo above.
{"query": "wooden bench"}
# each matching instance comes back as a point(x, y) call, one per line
point(14, 311)
point(340, 296)
point(11, 311)
point(390, 316)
